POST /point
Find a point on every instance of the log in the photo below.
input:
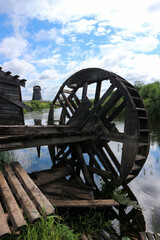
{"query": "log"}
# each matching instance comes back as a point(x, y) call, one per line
point(33, 191)
point(4, 228)
point(44, 177)
point(10, 203)
point(85, 203)
point(25, 202)
point(69, 189)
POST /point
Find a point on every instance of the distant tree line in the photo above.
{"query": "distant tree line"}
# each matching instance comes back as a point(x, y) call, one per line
point(150, 94)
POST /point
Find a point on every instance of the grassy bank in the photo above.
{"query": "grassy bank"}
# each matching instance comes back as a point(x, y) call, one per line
point(38, 105)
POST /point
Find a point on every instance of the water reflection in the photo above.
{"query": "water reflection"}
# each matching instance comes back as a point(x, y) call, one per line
point(146, 187)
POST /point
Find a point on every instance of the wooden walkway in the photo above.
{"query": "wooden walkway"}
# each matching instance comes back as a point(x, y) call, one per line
point(19, 197)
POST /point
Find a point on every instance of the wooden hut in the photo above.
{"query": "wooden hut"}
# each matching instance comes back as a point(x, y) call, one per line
point(11, 106)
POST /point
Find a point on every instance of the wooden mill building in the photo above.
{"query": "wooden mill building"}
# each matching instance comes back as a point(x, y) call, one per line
point(11, 106)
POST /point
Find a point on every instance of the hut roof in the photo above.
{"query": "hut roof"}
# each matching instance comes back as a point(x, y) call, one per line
point(6, 77)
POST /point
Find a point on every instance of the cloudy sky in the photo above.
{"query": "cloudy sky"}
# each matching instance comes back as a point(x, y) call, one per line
point(45, 41)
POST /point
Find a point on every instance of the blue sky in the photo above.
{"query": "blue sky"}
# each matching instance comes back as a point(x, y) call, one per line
point(45, 41)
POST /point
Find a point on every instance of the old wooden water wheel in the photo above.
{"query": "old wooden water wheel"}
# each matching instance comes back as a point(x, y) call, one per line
point(91, 100)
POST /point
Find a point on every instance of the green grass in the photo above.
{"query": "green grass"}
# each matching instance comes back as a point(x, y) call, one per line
point(51, 227)
point(38, 105)
point(7, 157)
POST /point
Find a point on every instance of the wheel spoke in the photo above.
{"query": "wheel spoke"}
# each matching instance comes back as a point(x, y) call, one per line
point(79, 154)
point(109, 104)
point(111, 168)
point(116, 112)
point(98, 91)
point(114, 136)
point(67, 103)
point(64, 108)
point(84, 92)
point(112, 156)
point(103, 98)
point(51, 115)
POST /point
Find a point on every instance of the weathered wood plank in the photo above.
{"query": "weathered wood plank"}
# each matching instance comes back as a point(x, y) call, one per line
point(33, 191)
point(14, 101)
point(4, 228)
point(68, 188)
point(36, 129)
point(26, 203)
point(13, 210)
point(44, 141)
point(44, 177)
point(7, 87)
point(85, 203)
point(13, 117)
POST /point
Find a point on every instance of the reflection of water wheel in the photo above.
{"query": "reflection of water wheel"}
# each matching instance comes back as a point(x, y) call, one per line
point(111, 96)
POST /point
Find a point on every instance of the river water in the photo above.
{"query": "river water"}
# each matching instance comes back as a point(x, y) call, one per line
point(146, 186)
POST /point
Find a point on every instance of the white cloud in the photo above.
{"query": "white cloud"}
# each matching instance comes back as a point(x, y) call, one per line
point(20, 67)
point(50, 61)
point(13, 47)
point(122, 14)
point(141, 44)
point(81, 26)
point(51, 34)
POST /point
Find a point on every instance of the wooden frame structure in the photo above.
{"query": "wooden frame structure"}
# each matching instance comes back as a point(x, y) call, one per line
point(86, 127)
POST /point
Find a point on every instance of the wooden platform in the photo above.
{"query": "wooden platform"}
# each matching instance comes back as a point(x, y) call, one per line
point(19, 197)
point(64, 192)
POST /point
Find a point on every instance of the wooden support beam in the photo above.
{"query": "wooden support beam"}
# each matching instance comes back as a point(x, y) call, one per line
point(23, 143)
point(85, 203)
point(35, 129)
point(14, 101)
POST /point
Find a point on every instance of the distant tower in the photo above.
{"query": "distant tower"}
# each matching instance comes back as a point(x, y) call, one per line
point(37, 93)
